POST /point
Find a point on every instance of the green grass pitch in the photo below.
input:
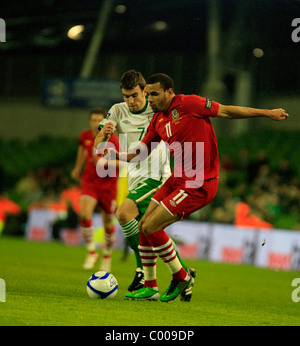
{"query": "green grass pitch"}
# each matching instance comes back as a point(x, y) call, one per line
point(45, 286)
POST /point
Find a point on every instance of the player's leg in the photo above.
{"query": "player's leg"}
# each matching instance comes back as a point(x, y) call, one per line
point(109, 238)
point(106, 197)
point(87, 207)
point(141, 196)
point(127, 215)
point(175, 204)
point(153, 228)
point(155, 243)
point(150, 289)
point(150, 207)
point(148, 256)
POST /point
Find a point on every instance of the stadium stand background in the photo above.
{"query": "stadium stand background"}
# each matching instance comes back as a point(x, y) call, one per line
point(259, 159)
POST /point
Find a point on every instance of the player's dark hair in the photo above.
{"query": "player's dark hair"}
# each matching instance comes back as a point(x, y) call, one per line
point(98, 110)
point(131, 79)
point(165, 81)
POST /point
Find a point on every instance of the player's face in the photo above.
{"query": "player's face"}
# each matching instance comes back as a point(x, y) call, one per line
point(159, 99)
point(135, 98)
point(95, 120)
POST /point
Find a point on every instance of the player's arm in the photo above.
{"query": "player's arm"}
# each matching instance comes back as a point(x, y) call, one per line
point(137, 154)
point(80, 159)
point(236, 112)
point(144, 148)
point(109, 164)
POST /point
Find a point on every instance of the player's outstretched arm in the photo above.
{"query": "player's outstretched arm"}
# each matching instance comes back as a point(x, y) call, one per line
point(80, 159)
point(236, 112)
point(139, 153)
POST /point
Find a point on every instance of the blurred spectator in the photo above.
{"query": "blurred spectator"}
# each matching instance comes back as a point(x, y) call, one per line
point(70, 195)
point(262, 177)
point(254, 165)
point(227, 163)
point(1, 180)
point(243, 159)
point(7, 207)
point(285, 171)
point(29, 188)
point(264, 197)
point(244, 217)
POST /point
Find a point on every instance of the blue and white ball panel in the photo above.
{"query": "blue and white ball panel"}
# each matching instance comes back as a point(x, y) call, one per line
point(102, 285)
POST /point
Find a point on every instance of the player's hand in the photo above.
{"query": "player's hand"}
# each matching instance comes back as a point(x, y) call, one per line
point(104, 135)
point(108, 130)
point(278, 114)
point(111, 154)
point(75, 174)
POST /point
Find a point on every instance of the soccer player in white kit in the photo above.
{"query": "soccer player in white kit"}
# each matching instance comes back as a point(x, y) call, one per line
point(131, 119)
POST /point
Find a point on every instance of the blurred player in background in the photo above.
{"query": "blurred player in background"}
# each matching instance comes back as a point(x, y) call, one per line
point(95, 191)
point(183, 122)
point(131, 119)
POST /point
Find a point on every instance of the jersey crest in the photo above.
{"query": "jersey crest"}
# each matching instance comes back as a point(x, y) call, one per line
point(175, 114)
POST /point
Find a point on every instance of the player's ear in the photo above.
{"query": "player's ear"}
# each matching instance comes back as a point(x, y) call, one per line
point(170, 91)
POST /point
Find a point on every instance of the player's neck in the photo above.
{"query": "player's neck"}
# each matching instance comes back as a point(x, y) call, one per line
point(142, 110)
point(169, 103)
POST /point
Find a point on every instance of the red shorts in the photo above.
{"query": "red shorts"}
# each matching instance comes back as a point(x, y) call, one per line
point(177, 199)
point(105, 195)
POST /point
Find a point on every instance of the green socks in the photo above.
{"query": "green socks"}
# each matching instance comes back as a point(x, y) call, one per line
point(131, 233)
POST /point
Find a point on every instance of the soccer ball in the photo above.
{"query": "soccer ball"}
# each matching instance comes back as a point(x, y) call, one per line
point(102, 285)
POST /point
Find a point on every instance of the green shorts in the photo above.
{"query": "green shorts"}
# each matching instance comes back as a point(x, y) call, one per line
point(143, 193)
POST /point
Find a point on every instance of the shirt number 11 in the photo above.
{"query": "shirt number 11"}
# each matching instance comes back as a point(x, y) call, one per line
point(168, 129)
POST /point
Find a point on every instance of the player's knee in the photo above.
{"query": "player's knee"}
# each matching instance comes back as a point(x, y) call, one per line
point(85, 222)
point(108, 223)
point(85, 214)
point(121, 215)
point(127, 211)
point(145, 227)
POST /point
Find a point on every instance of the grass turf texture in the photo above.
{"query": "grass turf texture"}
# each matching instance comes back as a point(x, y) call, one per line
point(45, 286)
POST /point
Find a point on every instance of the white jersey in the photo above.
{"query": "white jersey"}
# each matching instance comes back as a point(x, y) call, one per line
point(131, 128)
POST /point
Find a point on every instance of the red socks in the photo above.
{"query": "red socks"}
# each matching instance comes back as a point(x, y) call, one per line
point(163, 247)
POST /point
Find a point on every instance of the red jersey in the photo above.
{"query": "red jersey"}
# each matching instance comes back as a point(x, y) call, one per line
point(87, 139)
point(187, 129)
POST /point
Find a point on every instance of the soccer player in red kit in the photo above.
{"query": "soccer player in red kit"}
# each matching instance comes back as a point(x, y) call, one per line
point(95, 191)
point(183, 122)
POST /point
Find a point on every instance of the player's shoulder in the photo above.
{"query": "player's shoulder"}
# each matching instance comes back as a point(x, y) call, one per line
point(85, 137)
point(85, 133)
point(117, 111)
point(189, 102)
point(118, 107)
point(191, 98)
point(183, 100)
